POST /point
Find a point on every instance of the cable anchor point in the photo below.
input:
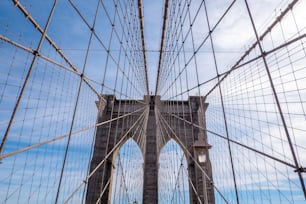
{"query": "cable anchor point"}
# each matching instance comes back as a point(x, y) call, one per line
point(300, 170)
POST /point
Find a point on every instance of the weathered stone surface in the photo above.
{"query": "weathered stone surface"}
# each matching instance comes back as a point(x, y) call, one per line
point(150, 182)
point(108, 135)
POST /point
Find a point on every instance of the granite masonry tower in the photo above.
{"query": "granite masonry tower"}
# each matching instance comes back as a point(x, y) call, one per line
point(109, 134)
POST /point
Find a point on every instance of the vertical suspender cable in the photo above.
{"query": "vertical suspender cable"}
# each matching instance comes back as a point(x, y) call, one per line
point(36, 54)
point(277, 100)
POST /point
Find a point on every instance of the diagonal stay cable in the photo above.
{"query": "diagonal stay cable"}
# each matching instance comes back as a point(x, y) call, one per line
point(181, 47)
point(141, 117)
point(59, 65)
point(28, 75)
point(66, 135)
point(277, 100)
point(193, 187)
point(98, 38)
point(52, 43)
point(241, 59)
point(240, 65)
point(103, 191)
point(178, 175)
point(234, 141)
point(189, 154)
point(221, 94)
point(189, 179)
point(76, 106)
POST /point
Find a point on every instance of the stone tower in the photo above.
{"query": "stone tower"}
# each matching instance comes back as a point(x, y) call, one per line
point(109, 134)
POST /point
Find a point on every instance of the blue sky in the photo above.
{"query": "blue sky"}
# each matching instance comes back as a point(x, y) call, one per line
point(47, 105)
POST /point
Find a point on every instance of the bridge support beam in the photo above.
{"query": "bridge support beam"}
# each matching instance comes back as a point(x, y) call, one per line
point(103, 144)
point(203, 184)
point(150, 183)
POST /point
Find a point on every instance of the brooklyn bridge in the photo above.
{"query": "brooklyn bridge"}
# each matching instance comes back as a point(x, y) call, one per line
point(166, 101)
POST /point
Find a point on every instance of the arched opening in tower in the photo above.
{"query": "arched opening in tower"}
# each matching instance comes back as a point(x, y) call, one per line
point(173, 186)
point(127, 176)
